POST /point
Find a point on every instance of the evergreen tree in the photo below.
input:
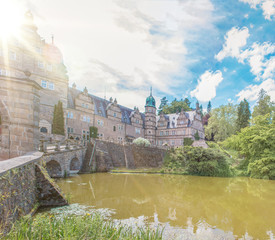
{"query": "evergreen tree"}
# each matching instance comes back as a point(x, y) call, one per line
point(264, 105)
point(187, 102)
point(209, 107)
point(243, 115)
point(163, 102)
point(197, 136)
point(58, 119)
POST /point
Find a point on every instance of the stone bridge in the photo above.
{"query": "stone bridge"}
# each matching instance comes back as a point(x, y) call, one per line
point(63, 160)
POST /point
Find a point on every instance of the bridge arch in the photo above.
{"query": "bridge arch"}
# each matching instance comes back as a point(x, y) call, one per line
point(54, 168)
point(75, 165)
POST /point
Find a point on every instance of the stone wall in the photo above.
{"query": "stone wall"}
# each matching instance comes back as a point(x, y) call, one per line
point(19, 111)
point(112, 155)
point(25, 185)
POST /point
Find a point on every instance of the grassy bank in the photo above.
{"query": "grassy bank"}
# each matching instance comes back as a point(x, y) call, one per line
point(90, 226)
point(138, 170)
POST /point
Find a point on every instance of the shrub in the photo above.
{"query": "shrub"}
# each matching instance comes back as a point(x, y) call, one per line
point(187, 141)
point(197, 161)
point(141, 142)
point(197, 136)
point(93, 132)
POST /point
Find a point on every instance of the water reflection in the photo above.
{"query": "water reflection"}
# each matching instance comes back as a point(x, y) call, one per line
point(239, 206)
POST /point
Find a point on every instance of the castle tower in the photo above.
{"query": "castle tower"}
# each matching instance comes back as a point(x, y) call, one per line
point(150, 119)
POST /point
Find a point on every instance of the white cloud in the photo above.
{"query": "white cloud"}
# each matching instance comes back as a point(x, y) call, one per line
point(124, 44)
point(235, 39)
point(262, 66)
point(251, 92)
point(268, 6)
point(207, 84)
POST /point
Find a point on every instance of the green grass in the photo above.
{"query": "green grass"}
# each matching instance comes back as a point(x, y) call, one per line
point(138, 170)
point(90, 226)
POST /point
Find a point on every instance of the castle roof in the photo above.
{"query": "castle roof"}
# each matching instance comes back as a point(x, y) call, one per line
point(173, 117)
point(101, 106)
point(150, 101)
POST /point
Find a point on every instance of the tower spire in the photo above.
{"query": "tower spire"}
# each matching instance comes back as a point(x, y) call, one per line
point(151, 91)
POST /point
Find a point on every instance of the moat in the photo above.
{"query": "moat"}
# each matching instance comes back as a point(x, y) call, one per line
point(221, 208)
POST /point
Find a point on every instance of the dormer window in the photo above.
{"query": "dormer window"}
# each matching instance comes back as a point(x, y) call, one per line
point(114, 114)
point(12, 56)
point(40, 64)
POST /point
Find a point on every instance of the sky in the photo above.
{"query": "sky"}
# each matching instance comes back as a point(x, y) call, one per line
point(206, 50)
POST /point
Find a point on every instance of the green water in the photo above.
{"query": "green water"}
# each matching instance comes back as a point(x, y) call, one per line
point(200, 206)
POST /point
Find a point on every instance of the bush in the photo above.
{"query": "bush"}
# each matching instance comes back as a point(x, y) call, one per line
point(93, 132)
point(197, 161)
point(197, 136)
point(187, 141)
point(141, 142)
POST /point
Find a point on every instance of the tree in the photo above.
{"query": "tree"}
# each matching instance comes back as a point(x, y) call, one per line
point(243, 115)
point(209, 107)
point(93, 132)
point(197, 136)
point(187, 142)
point(264, 105)
point(163, 102)
point(187, 102)
point(177, 106)
point(58, 119)
point(256, 144)
point(222, 122)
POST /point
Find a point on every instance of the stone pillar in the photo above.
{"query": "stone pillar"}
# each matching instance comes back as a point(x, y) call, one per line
point(19, 111)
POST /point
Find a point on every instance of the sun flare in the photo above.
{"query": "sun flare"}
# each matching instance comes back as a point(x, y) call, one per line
point(10, 19)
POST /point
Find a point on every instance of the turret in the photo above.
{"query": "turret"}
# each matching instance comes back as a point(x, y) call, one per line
point(150, 119)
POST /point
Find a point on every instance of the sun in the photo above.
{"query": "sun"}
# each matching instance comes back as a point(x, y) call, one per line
point(10, 18)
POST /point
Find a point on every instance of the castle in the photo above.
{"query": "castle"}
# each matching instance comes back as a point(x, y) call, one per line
point(33, 79)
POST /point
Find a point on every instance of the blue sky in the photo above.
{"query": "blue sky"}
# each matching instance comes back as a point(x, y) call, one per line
point(222, 51)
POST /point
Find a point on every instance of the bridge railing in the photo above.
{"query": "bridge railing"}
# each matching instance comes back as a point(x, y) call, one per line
point(57, 146)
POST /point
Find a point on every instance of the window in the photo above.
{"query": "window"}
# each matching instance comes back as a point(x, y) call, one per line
point(84, 131)
point(38, 50)
point(51, 85)
point(161, 133)
point(4, 72)
point(150, 110)
point(181, 122)
point(114, 114)
point(137, 130)
point(167, 133)
point(70, 130)
point(83, 105)
point(161, 124)
point(114, 128)
point(137, 120)
point(88, 119)
point(173, 142)
point(160, 143)
point(87, 106)
point(49, 67)
point(40, 64)
point(173, 132)
point(183, 132)
point(84, 118)
point(99, 122)
point(70, 115)
point(44, 83)
point(12, 56)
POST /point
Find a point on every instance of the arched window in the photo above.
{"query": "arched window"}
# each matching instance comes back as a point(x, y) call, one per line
point(114, 128)
point(43, 130)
